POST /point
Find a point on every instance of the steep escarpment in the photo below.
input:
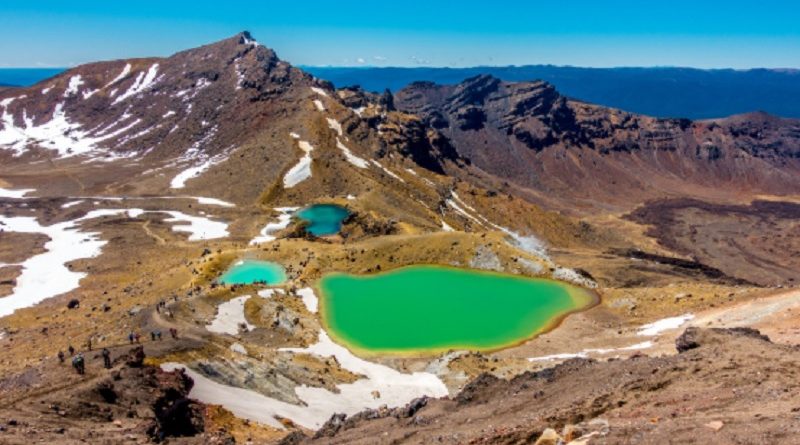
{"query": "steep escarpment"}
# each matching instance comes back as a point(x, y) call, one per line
point(568, 152)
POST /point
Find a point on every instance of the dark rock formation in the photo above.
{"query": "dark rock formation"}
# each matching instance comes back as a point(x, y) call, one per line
point(528, 134)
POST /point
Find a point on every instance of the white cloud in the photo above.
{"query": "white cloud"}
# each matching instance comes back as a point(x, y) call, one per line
point(420, 61)
point(361, 60)
point(379, 58)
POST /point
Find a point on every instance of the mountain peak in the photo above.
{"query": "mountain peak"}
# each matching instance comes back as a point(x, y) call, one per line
point(245, 38)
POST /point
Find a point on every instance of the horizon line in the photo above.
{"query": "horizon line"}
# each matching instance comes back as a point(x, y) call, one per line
point(550, 65)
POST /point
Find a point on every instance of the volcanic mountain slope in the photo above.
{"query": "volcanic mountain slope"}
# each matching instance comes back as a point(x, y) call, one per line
point(582, 158)
point(698, 396)
point(146, 126)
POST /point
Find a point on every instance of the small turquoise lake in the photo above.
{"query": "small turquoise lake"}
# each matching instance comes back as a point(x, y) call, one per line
point(252, 271)
point(323, 219)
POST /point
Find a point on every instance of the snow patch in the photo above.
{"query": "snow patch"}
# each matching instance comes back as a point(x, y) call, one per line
point(309, 299)
point(71, 204)
point(213, 201)
point(334, 125)
point(193, 154)
point(319, 105)
point(320, 91)
point(46, 275)
point(142, 82)
point(665, 324)
point(268, 293)
point(446, 227)
point(199, 227)
point(14, 194)
point(386, 170)
point(585, 353)
point(351, 158)
point(74, 83)
point(120, 76)
point(66, 138)
point(89, 93)
point(230, 316)
point(247, 41)
point(302, 170)
point(238, 348)
point(267, 233)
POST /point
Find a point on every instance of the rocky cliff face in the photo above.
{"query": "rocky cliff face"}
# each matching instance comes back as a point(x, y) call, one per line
point(531, 135)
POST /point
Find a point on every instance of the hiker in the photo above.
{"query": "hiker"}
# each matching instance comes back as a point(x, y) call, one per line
point(158, 335)
point(131, 337)
point(173, 332)
point(61, 357)
point(71, 350)
point(138, 337)
point(78, 364)
point(106, 358)
point(152, 335)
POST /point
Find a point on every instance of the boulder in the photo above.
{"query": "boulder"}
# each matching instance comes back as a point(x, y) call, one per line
point(694, 337)
point(549, 437)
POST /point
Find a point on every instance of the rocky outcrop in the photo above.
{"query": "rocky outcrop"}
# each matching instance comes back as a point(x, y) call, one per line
point(655, 400)
point(693, 337)
point(140, 404)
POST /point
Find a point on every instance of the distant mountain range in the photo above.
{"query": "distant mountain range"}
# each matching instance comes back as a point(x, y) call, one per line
point(661, 92)
point(183, 116)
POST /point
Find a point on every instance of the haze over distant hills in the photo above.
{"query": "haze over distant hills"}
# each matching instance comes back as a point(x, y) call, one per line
point(662, 92)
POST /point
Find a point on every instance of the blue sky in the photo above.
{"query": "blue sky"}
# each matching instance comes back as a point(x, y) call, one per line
point(705, 34)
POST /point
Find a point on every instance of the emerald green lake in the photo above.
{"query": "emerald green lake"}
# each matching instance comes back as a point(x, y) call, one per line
point(323, 219)
point(435, 308)
point(251, 271)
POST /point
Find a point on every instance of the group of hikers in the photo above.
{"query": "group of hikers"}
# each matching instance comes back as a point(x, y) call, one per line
point(135, 337)
point(79, 362)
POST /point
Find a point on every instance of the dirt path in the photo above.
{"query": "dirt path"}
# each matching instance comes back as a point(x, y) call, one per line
point(146, 226)
point(777, 316)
